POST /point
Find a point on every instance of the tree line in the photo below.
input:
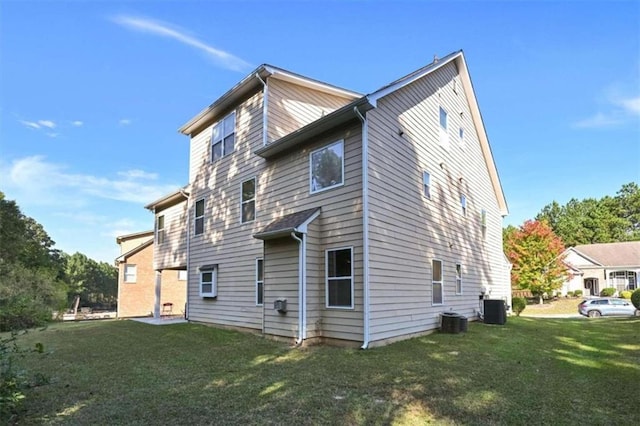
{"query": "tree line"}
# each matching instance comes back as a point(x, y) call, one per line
point(36, 279)
point(535, 249)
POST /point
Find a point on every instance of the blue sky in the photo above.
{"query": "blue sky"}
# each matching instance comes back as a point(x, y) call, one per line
point(92, 93)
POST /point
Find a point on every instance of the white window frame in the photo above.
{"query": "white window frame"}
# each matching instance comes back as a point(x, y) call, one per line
point(461, 136)
point(328, 146)
point(214, 281)
point(243, 201)
point(444, 133)
point(327, 278)
point(182, 275)
point(434, 282)
point(259, 282)
point(464, 204)
point(223, 135)
point(130, 277)
point(458, 278)
point(196, 217)
point(426, 184)
point(160, 233)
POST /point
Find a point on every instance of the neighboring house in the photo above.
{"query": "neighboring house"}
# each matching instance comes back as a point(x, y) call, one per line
point(597, 266)
point(318, 213)
point(138, 293)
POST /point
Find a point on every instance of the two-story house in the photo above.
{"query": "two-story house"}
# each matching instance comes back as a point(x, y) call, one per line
point(315, 212)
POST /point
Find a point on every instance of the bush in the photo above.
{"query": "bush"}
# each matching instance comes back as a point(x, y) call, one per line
point(577, 293)
point(635, 298)
point(570, 294)
point(607, 292)
point(519, 303)
point(626, 294)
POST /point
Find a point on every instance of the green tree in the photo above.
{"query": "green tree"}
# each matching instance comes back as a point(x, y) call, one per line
point(536, 255)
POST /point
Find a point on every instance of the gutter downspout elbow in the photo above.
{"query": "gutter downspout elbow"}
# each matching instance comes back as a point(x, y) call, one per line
point(300, 338)
point(365, 227)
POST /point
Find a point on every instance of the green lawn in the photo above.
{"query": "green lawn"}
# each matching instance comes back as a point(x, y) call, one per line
point(530, 371)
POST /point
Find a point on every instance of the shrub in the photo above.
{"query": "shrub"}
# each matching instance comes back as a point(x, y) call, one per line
point(577, 293)
point(626, 294)
point(635, 298)
point(570, 294)
point(519, 303)
point(607, 292)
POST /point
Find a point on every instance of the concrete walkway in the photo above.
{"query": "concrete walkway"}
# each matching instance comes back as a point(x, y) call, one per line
point(161, 321)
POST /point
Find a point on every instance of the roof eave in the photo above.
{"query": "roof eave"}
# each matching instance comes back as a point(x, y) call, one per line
point(169, 199)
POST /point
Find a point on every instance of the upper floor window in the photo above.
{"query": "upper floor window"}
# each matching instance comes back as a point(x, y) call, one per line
point(426, 183)
point(463, 204)
point(130, 273)
point(223, 137)
point(248, 201)
point(461, 136)
point(444, 135)
point(199, 217)
point(339, 287)
point(483, 223)
point(327, 167)
point(160, 229)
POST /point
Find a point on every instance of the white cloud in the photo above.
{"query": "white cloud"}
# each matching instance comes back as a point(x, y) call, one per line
point(124, 122)
point(222, 58)
point(31, 124)
point(47, 123)
point(77, 123)
point(138, 174)
point(616, 109)
point(49, 183)
point(598, 120)
point(631, 105)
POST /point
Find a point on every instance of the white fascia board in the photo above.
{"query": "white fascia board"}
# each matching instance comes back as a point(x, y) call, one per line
point(283, 75)
point(302, 229)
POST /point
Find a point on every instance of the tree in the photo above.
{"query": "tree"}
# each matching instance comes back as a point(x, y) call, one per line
point(536, 255)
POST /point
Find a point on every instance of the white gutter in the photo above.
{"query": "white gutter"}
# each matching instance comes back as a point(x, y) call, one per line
point(365, 226)
point(188, 197)
point(301, 285)
point(265, 115)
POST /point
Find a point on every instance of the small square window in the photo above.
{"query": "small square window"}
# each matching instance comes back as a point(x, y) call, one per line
point(130, 273)
point(327, 167)
point(209, 281)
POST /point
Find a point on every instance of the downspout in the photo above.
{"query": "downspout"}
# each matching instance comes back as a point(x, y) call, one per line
point(184, 194)
point(365, 226)
point(301, 285)
point(265, 103)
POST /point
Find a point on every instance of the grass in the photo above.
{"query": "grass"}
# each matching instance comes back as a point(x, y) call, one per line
point(560, 306)
point(530, 371)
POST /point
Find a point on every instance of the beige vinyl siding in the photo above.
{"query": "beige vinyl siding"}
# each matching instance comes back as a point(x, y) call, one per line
point(292, 106)
point(283, 188)
point(281, 274)
point(126, 245)
point(172, 253)
point(407, 230)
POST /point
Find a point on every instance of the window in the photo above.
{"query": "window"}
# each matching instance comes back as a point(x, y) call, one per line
point(208, 281)
point(248, 202)
point(327, 167)
point(426, 182)
point(444, 136)
point(483, 223)
point(463, 204)
point(199, 213)
point(436, 282)
point(223, 137)
point(182, 275)
point(339, 272)
point(160, 229)
point(461, 136)
point(130, 273)
point(458, 278)
point(259, 282)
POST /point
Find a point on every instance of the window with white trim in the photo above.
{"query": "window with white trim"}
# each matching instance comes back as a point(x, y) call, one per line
point(160, 229)
point(223, 136)
point(182, 275)
point(199, 217)
point(444, 135)
point(130, 273)
point(259, 282)
point(339, 273)
point(327, 167)
point(248, 201)
point(426, 184)
point(436, 282)
point(483, 223)
point(458, 278)
point(461, 136)
point(463, 204)
point(209, 281)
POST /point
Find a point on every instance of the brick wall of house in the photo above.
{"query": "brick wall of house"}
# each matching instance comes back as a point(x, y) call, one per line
point(174, 291)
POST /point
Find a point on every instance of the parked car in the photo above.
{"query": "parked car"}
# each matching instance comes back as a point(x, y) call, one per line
point(606, 306)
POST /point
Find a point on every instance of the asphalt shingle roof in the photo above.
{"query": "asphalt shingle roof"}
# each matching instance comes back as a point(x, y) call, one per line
point(612, 254)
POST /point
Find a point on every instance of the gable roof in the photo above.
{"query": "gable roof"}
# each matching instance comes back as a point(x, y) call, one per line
point(123, 257)
point(169, 200)
point(625, 254)
point(126, 237)
point(284, 226)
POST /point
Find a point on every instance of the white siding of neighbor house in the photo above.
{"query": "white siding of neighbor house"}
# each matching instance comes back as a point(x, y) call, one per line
point(407, 230)
point(172, 253)
point(292, 106)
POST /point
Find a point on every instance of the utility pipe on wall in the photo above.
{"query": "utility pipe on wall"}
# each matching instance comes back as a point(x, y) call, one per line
point(301, 289)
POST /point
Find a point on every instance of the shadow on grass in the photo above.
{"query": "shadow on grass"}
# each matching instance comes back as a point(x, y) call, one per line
point(528, 371)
